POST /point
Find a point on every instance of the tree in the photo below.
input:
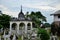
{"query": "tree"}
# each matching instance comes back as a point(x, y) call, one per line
point(45, 25)
point(37, 18)
point(58, 31)
point(1, 26)
point(54, 28)
point(43, 34)
point(4, 20)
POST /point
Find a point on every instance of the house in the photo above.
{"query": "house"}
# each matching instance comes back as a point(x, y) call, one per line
point(57, 17)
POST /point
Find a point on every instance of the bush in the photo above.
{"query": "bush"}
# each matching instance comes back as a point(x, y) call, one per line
point(44, 35)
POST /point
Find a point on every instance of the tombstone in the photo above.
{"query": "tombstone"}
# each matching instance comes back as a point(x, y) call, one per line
point(53, 38)
point(11, 37)
point(14, 37)
point(4, 36)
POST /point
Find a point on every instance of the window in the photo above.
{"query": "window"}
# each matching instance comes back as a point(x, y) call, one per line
point(14, 26)
point(59, 16)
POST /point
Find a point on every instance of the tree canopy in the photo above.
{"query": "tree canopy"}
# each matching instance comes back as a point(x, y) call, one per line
point(42, 33)
point(4, 20)
point(54, 28)
point(1, 26)
point(37, 17)
point(45, 25)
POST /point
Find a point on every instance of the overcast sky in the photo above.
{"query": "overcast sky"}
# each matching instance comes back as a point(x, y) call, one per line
point(46, 7)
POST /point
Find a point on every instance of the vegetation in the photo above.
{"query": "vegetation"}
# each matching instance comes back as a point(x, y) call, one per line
point(54, 28)
point(37, 18)
point(1, 26)
point(58, 31)
point(43, 34)
point(4, 20)
point(45, 25)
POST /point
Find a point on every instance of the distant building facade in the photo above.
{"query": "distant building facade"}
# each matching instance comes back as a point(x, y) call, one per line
point(57, 17)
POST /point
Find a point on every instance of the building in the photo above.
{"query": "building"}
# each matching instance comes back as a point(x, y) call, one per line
point(57, 17)
point(20, 23)
point(20, 26)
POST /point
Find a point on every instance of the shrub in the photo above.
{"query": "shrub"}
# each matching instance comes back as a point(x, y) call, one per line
point(44, 35)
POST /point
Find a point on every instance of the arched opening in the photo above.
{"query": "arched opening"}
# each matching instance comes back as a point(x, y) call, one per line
point(33, 25)
point(28, 26)
point(21, 26)
point(14, 26)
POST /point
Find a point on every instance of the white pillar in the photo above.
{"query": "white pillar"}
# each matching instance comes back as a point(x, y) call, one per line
point(25, 27)
point(4, 36)
point(10, 27)
point(14, 37)
point(31, 26)
point(4, 33)
point(53, 37)
point(17, 27)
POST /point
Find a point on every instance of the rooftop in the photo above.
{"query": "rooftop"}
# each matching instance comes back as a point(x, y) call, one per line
point(21, 17)
point(56, 13)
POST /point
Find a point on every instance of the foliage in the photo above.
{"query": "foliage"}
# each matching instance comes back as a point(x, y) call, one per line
point(4, 20)
point(58, 31)
point(44, 35)
point(1, 26)
point(54, 28)
point(46, 25)
point(37, 18)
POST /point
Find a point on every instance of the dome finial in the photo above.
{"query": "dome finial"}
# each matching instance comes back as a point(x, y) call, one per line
point(21, 8)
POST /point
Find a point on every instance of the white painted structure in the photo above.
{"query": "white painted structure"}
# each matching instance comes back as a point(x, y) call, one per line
point(57, 17)
point(26, 24)
point(20, 26)
point(17, 30)
point(54, 38)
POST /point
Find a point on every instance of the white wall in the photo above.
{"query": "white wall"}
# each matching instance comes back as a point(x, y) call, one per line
point(18, 22)
point(56, 18)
